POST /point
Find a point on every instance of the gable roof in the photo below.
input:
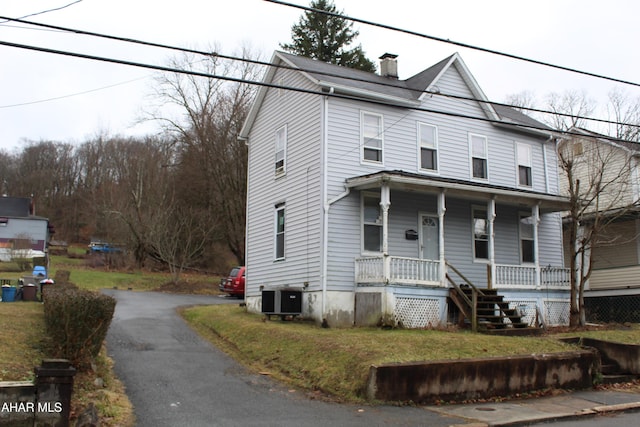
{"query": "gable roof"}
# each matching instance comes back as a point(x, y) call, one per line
point(17, 207)
point(370, 86)
point(633, 148)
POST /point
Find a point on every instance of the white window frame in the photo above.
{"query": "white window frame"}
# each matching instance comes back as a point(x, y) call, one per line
point(521, 238)
point(279, 235)
point(420, 130)
point(475, 209)
point(483, 156)
point(364, 223)
point(364, 138)
point(524, 149)
point(281, 151)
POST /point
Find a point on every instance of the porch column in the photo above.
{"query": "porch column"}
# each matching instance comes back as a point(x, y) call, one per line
point(491, 216)
point(385, 202)
point(535, 216)
point(441, 211)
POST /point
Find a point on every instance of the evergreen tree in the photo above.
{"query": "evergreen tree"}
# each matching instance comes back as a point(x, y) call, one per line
point(326, 37)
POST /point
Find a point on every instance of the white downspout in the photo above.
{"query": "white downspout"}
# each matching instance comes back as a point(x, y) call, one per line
point(491, 216)
point(324, 162)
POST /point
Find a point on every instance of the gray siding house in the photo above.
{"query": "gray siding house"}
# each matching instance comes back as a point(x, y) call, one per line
point(367, 192)
point(22, 234)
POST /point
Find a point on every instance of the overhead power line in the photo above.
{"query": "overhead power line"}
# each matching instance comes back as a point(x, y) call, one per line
point(269, 64)
point(455, 43)
point(275, 86)
point(51, 10)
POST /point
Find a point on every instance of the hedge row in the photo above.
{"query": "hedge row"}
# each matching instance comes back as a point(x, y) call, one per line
point(77, 322)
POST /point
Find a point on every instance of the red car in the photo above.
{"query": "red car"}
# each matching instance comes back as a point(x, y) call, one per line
point(234, 283)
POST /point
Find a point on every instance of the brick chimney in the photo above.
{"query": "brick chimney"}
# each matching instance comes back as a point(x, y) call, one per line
point(389, 66)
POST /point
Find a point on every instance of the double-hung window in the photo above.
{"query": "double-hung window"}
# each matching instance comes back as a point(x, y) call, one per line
point(371, 223)
point(526, 239)
point(279, 232)
point(523, 154)
point(371, 137)
point(478, 148)
point(281, 150)
point(480, 234)
point(428, 146)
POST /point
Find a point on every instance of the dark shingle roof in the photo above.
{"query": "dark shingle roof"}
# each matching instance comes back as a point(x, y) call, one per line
point(345, 79)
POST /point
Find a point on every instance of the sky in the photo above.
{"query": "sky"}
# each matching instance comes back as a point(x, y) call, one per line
point(51, 97)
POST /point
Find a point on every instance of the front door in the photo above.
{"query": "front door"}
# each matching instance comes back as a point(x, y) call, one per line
point(429, 237)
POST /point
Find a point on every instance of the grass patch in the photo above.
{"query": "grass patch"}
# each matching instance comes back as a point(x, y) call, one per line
point(616, 333)
point(336, 361)
point(22, 340)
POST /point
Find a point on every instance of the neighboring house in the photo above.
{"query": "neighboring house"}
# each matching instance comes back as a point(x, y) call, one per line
point(609, 172)
point(22, 234)
point(363, 189)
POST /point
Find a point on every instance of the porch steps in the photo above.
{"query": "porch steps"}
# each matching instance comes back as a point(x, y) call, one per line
point(494, 316)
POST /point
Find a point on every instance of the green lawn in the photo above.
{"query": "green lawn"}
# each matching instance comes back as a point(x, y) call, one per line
point(337, 361)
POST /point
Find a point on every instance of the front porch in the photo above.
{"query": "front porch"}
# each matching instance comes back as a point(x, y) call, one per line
point(384, 270)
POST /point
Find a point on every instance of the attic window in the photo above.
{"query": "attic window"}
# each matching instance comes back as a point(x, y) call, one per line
point(578, 149)
point(4, 222)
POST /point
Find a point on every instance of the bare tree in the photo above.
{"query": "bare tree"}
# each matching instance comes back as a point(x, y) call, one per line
point(596, 176)
point(212, 163)
point(568, 109)
point(179, 237)
point(626, 113)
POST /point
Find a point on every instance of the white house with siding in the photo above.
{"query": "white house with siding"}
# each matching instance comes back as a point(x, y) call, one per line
point(367, 192)
point(609, 173)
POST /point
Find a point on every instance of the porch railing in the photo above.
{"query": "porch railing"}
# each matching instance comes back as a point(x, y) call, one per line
point(524, 277)
point(413, 271)
point(401, 270)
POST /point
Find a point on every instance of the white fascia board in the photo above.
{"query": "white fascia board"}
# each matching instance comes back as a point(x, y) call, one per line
point(368, 94)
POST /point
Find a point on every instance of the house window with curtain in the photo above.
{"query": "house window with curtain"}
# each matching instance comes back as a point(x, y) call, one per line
point(526, 239)
point(480, 234)
point(281, 150)
point(523, 155)
point(371, 223)
point(428, 147)
point(371, 137)
point(478, 149)
point(279, 232)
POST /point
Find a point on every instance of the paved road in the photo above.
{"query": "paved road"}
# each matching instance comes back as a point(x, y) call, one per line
point(175, 379)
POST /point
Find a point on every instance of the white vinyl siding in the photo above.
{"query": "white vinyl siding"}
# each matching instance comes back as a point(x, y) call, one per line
point(371, 137)
point(427, 147)
point(301, 185)
point(479, 156)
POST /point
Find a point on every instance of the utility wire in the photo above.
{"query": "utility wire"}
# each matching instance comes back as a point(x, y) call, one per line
point(465, 45)
point(50, 10)
point(287, 67)
point(72, 94)
point(275, 86)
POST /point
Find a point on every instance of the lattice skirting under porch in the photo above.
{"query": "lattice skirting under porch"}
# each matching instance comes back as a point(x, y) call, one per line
point(417, 312)
point(554, 312)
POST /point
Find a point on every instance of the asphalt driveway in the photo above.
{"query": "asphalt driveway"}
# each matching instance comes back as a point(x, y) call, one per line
point(174, 378)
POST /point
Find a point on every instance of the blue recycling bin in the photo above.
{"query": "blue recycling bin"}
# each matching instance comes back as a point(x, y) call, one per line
point(8, 293)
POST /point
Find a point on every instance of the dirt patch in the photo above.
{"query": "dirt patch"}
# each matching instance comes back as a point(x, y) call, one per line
point(198, 287)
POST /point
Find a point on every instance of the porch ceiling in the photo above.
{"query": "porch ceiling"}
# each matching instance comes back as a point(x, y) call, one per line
point(463, 189)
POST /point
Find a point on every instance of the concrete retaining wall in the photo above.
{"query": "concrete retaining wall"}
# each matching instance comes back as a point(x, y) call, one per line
point(625, 356)
point(43, 403)
point(482, 378)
